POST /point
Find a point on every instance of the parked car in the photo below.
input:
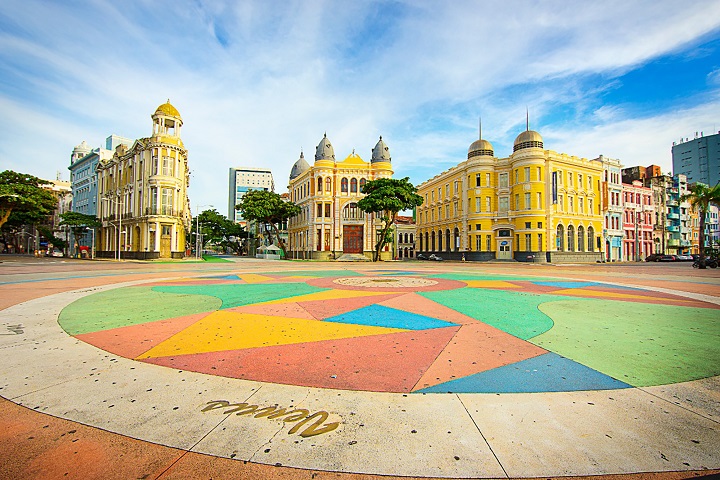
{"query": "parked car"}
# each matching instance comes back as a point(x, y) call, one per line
point(667, 258)
point(653, 257)
point(420, 256)
point(684, 258)
point(435, 257)
point(55, 252)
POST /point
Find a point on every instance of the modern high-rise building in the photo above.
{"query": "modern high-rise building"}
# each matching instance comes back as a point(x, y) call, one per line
point(698, 159)
point(330, 223)
point(535, 205)
point(142, 194)
point(243, 179)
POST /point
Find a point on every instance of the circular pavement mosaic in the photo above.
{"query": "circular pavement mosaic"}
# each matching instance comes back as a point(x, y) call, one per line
point(399, 333)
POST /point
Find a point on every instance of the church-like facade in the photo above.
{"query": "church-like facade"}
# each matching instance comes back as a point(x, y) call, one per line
point(330, 223)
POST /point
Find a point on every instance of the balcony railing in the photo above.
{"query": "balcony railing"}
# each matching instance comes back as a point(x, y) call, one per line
point(162, 210)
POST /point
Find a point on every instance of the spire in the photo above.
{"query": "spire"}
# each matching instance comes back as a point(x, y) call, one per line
point(527, 119)
point(480, 128)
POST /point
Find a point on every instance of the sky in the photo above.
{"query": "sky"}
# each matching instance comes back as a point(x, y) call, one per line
point(257, 82)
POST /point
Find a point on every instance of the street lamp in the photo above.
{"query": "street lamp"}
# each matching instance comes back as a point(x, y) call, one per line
point(92, 252)
point(197, 229)
point(120, 206)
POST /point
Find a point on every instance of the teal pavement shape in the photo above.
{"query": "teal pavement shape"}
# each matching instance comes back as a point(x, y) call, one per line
point(512, 312)
point(567, 284)
point(237, 295)
point(382, 316)
point(545, 373)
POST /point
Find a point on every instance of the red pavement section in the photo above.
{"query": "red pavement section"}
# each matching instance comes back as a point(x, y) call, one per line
point(134, 340)
point(476, 348)
point(288, 310)
point(381, 363)
point(322, 309)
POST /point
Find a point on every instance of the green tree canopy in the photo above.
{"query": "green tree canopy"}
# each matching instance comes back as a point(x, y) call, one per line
point(388, 196)
point(700, 197)
point(268, 208)
point(79, 223)
point(23, 197)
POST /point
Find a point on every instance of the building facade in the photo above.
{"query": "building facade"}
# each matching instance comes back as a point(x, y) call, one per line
point(142, 194)
point(612, 209)
point(404, 237)
point(698, 159)
point(330, 223)
point(243, 179)
point(638, 217)
point(83, 177)
point(535, 205)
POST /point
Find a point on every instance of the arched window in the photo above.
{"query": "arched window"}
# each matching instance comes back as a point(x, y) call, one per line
point(447, 240)
point(411, 238)
point(440, 241)
point(560, 235)
point(421, 242)
point(581, 238)
point(344, 185)
point(353, 185)
point(320, 183)
point(571, 238)
point(456, 240)
point(328, 184)
point(362, 184)
point(427, 245)
point(432, 240)
point(591, 239)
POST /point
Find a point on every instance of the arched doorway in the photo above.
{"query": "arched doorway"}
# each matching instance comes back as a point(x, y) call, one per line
point(571, 238)
point(581, 238)
point(560, 238)
point(456, 240)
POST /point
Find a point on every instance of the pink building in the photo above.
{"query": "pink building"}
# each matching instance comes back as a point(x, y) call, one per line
point(638, 216)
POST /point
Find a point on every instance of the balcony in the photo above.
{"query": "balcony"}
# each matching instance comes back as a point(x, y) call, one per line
point(162, 210)
point(673, 216)
point(672, 203)
point(673, 228)
point(673, 242)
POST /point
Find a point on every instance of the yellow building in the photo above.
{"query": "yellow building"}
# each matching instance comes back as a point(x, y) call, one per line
point(535, 205)
point(142, 194)
point(331, 224)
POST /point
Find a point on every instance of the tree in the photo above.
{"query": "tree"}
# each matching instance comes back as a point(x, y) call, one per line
point(23, 196)
point(388, 196)
point(700, 197)
point(267, 208)
point(216, 229)
point(79, 223)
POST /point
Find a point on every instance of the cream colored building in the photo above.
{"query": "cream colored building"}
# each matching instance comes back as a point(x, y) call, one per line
point(330, 223)
point(534, 205)
point(142, 194)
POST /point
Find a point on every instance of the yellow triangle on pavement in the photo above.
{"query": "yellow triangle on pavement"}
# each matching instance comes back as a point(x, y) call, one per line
point(225, 330)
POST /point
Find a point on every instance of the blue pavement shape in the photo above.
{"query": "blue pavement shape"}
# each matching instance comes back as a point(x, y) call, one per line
point(545, 373)
point(381, 316)
point(567, 284)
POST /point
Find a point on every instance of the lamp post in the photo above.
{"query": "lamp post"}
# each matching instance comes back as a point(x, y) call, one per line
point(92, 251)
point(120, 206)
point(197, 230)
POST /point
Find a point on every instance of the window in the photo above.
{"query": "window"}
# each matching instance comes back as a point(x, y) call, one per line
point(581, 204)
point(527, 174)
point(488, 204)
point(503, 180)
point(319, 210)
point(539, 240)
point(488, 242)
point(328, 185)
point(344, 185)
point(447, 190)
point(503, 205)
point(527, 224)
point(477, 179)
point(362, 184)
point(570, 179)
point(167, 166)
point(477, 205)
point(487, 179)
point(439, 213)
point(580, 182)
point(478, 226)
point(539, 201)
point(528, 242)
point(571, 204)
point(327, 210)
point(517, 179)
point(353, 185)
point(571, 238)
point(539, 225)
point(527, 201)
point(447, 211)
point(457, 186)
point(319, 184)
point(590, 206)
point(166, 201)
point(539, 174)
point(478, 243)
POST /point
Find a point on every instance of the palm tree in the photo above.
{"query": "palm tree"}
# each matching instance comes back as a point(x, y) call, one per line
point(700, 197)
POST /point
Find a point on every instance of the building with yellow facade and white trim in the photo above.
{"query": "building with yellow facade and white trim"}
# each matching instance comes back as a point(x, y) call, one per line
point(142, 194)
point(330, 223)
point(535, 205)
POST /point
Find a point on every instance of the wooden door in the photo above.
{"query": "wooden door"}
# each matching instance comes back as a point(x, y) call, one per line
point(352, 239)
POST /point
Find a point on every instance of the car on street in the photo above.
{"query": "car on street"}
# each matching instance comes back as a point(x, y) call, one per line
point(653, 257)
point(667, 258)
point(437, 258)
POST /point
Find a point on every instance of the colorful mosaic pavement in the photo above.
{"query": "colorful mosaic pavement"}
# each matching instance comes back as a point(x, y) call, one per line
point(398, 332)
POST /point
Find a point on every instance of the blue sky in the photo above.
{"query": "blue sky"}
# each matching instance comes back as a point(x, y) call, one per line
point(257, 81)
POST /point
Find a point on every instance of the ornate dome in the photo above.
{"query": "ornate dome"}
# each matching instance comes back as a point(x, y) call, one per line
point(324, 150)
point(528, 139)
point(167, 109)
point(83, 148)
point(381, 152)
point(480, 148)
point(299, 167)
